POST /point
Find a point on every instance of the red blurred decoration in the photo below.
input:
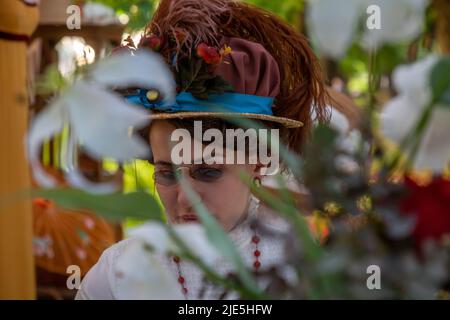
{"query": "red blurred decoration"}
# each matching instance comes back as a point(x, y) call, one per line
point(431, 205)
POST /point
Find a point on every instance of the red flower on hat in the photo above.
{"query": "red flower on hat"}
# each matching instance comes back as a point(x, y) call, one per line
point(152, 42)
point(431, 206)
point(210, 54)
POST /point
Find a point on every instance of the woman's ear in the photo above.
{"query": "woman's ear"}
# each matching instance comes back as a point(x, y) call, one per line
point(257, 169)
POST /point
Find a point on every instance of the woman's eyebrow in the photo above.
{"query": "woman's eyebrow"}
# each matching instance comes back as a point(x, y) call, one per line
point(163, 163)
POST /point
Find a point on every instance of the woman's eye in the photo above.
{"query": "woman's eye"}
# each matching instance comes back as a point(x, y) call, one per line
point(165, 177)
point(167, 174)
point(207, 174)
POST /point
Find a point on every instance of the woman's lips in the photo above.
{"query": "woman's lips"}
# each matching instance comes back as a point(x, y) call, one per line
point(189, 218)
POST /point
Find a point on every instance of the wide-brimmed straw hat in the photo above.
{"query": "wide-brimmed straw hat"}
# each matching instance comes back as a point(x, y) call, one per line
point(255, 77)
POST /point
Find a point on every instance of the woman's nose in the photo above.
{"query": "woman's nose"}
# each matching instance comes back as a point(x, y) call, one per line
point(183, 199)
point(182, 196)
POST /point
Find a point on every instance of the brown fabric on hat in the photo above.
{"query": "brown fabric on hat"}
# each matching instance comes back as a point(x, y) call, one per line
point(250, 68)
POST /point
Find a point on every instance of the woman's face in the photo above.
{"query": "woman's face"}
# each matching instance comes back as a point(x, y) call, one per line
point(219, 187)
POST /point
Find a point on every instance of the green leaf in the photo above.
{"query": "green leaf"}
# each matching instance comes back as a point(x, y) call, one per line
point(324, 136)
point(440, 82)
point(116, 206)
point(199, 92)
point(219, 85)
point(205, 76)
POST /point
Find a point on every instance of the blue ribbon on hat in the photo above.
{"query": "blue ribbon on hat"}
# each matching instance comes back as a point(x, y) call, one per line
point(225, 102)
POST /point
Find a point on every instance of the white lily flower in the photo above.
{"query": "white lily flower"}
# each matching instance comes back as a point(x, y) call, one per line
point(333, 24)
point(100, 118)
point(144, 276)
point(145, 69)
point(413, 81)
point(193, 235)
point(400, 115)
point(434, 150)
point(401, 21)
point(142, 270)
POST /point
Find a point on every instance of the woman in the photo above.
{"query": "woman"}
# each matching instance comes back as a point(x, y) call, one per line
point(253, 65)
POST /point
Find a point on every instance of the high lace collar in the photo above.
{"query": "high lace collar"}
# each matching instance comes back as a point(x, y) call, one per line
point(241, 231)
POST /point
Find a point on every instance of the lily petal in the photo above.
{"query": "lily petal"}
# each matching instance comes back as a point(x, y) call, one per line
point(145, 69)
point(193, 236)
point(76, 178)
point(102, 121)
point(394, 123)
point(414, 80)
point(45, 125)
point(333, 24)
point(144, 277)
point(401, 21)
point(401, 113)
point(434, 150)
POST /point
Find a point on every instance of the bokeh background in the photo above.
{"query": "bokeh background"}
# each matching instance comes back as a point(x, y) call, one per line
point(36, 248)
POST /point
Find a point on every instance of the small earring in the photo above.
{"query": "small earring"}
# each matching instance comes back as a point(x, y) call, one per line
point(257, 182)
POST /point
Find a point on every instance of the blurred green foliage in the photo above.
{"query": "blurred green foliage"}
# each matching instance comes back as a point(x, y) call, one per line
point(141, 11)
point(289, 10)
point(112, 206)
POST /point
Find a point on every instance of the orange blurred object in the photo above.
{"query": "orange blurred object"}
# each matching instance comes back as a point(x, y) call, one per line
point(65, 237)
point(319, 227)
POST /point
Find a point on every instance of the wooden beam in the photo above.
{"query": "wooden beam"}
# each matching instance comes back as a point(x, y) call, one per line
point(442, 8)
point(17, 280)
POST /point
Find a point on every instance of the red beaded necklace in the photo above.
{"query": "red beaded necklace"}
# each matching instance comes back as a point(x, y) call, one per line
point(255, 239)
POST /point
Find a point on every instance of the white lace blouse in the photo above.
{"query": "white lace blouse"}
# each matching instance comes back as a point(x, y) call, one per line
point(103, 283)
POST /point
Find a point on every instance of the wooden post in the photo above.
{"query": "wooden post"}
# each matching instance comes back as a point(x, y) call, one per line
point(443, 25)
point(17, 22)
